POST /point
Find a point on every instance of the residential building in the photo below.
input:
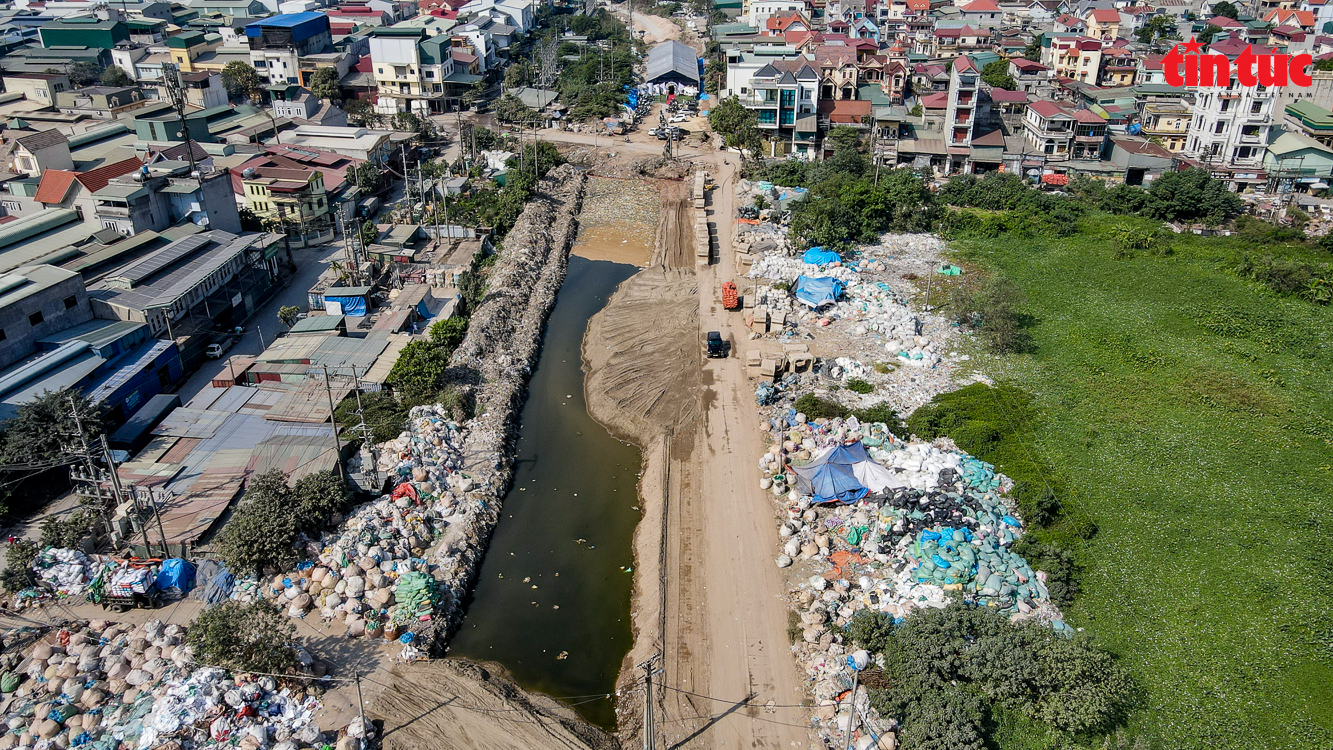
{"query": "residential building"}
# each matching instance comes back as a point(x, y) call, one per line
point(164, 194)
point(36, 87)
point(415, 72)
point(1103, 23)
point(1049, 129)
point(1072, 56)
point(37, 152)
point(1230, 127)
point(104, 102)
point(1295, 161)
point(66, 189)
point(84, 31)
point(783, 93)
point(983, 14)
point(35, 302)
point(298, 104)
point(1029, 75)
point(838, 73)
point(1167, 123)
point(960, 111)
point(362, 144)
point(279, 44)
point(761, 10)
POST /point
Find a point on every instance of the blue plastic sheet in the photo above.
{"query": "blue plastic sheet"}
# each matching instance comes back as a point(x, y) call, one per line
point(818, 256)
point(816, 292)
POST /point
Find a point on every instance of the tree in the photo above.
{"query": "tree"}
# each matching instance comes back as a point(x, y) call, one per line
point(511, 109)
point(411, 123)
point(418, 375)
point(1209, 31)
point(116, 76)
point(287, 314)
point(1226, 10)
point(44, 427)
point(1033, 50)
point(518, 75)
point(1191, 195)
point(474, 93)
point(263, 527)
point(369, 234)
point(997, 75)
point(240, 79)
point(738, 126)
point(449, 333)
point(844, 138)
point(68, 532)
point(361, 114)
point(84, 74)
point(916, 111)
point(250, 221)
point(1157, 27)
point(243, 637)
point(324, 84)
point(318, 496)
point(368, 176)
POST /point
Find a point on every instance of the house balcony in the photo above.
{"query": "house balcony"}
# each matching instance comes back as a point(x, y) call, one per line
point(750, 100)
point(112, 210)
point(1181, 130)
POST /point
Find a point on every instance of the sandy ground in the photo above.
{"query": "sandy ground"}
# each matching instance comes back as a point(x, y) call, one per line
point(707, 595)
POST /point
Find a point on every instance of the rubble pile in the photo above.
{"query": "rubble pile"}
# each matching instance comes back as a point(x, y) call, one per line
point(873, 331)
point(104, 686)
point(926, 524)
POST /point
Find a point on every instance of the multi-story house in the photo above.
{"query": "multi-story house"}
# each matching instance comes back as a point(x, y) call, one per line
point(960, 111)
point(1310, 120)
point(159, 196)
point(1072, 56)
point(839, 76)
point(1323, 14)
point(1119, 65)
point(1300, 19)
point(1042, 12)
point(761, 10)
point(1103, 23)
point(1029, 75)
point(1167, 123)
point(781, 93)
point(279, 44)
point(950, 42)
point(417, 73)
point(294, 196)
point(1230, 126)
point(1049, 129)
point(983, 14)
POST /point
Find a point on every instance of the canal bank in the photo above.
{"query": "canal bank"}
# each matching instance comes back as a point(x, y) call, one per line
point(551, 602)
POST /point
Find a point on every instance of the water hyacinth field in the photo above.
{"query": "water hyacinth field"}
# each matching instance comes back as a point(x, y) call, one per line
point(1190, 415)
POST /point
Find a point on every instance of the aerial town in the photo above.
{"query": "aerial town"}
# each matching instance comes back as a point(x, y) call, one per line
point(822, 374)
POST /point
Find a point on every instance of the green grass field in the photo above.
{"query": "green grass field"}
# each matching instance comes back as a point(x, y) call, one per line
point(1190, 414)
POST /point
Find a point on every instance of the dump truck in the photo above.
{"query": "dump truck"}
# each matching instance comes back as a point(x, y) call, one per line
point(730, 298)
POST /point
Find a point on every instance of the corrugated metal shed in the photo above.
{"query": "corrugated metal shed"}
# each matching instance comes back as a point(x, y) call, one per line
point(309, 402)
point(673, 61)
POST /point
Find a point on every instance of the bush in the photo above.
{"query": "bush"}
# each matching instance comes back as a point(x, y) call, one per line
point(992, 310)
point(18, 562)
point(318, 496)
point(264, 530)
point(254, 637)
point(1058, 563)
point(382, 411)
point(814, 407)
point(948, 668)
point(857, 385)
point(67, 533)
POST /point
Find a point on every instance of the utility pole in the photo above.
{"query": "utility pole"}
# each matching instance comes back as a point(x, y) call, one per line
point(367, 435)
point(649, 740)
point(361, 709)
point(337, 446)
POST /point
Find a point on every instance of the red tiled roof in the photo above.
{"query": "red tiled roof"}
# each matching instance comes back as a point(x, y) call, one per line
point(54, 186)
point(1047, 108)
point(1298, 17)
point(1152, 62)
point(935, 101)
point(1222, 22)
point(963, 62)
point(97, 179)
point(1105, 15)
point(1068, 20)
point(981, 6)
point(1028, 65)
point(846, 111)
point(1090, 117)
point(1005, 96)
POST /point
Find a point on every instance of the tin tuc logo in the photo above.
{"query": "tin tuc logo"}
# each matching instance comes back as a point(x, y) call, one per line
point(1187, 65)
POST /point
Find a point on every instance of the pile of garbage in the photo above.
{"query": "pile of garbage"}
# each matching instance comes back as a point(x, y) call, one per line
point(104, 686)
point(875, 522)
point(380, 552)
point(68, 571)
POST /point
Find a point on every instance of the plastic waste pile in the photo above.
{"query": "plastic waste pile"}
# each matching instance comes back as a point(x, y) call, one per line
point(372, 573)
point(774, 267)
point(68, 571)
point(103, 686)
point(238, 712)
point(936, 527)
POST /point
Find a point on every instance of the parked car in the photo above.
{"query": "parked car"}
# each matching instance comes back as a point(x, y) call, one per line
point(216, 349)
point(717, 348)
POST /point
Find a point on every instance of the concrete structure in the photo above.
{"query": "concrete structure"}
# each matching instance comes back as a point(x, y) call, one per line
point(1230, 127)
point(416, 72)
point(37, 87)
point(363, 144)
point(38, 301)
point(104, 102)
point(277, 45)
point(158, 196)
point(1167, 122)
point(1309, 120)
point(84, 31)
point(37, 152)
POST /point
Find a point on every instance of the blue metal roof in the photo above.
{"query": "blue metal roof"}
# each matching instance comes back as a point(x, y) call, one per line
point(303, 25)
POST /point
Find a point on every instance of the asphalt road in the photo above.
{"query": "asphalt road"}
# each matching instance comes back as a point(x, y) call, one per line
point(264, 325)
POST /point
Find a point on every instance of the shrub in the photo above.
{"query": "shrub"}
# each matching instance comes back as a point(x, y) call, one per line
point(67, 533)
point(857, 385)
point(992, 310)
point(264, 530)
point(814, 407)
point(18, 565)
point(244, 637)
point(1058, 563)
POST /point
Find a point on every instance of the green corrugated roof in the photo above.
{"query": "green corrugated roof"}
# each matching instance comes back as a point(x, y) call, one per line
point(185, 39)
point(317, 323)
point(1311, 115)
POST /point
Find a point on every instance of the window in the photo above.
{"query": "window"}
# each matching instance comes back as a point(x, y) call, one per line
point(71, 301)
point(35, 319)
point(1219, 127)
point(1226, 104)
point(1256, 108)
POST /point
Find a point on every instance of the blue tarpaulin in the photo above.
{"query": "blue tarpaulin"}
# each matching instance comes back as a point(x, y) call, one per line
point(828, 482)
point(818, 256)
point(355, 306)
point(424, 310)
point(176, 573)
point(816, 292)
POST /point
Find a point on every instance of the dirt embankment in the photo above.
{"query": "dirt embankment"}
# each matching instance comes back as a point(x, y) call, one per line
point(455, 703)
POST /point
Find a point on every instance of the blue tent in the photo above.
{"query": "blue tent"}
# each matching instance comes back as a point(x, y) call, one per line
point(816, 292)
point(847, 455)
point(818, 256)
point(176, 573)
point(828, 479)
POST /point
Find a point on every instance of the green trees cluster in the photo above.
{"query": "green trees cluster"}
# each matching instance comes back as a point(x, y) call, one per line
point(254, 637)
point(738, 126)
point(950, 670)
point(997, 74)
point(241, 80)
point(267, 525)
